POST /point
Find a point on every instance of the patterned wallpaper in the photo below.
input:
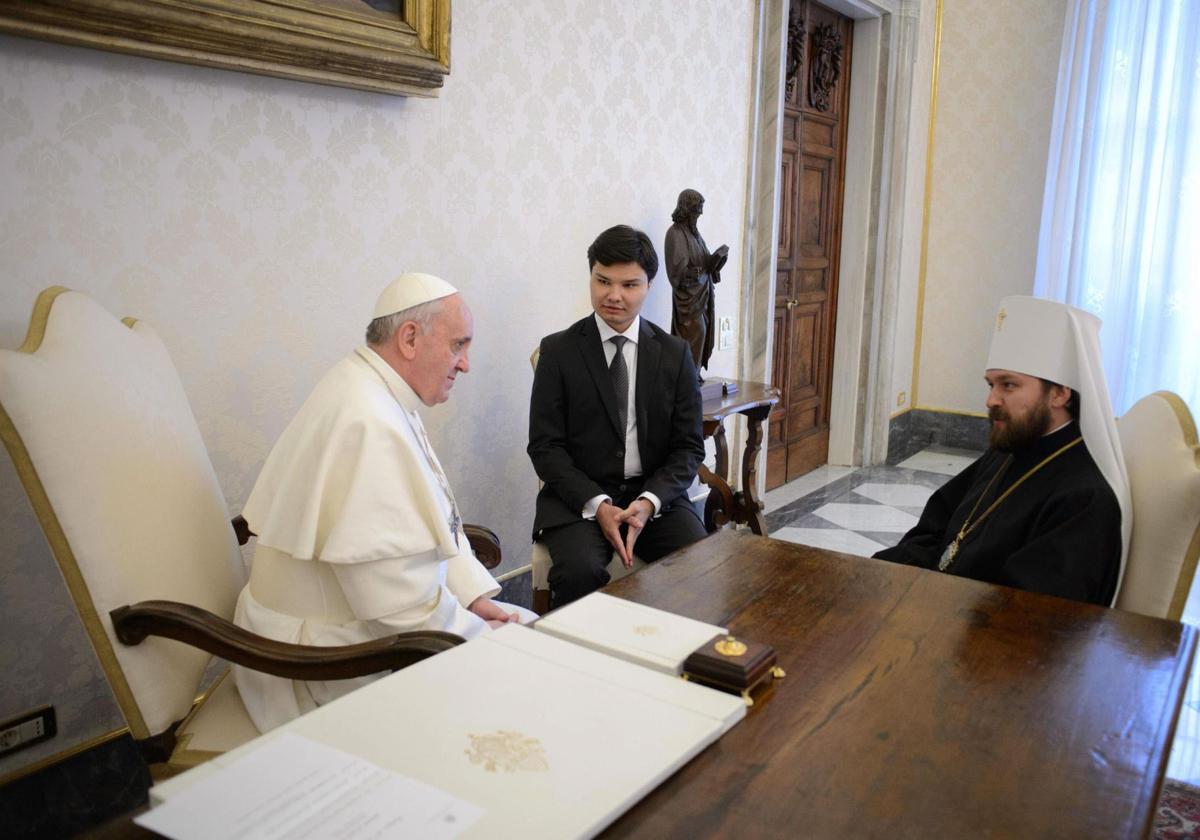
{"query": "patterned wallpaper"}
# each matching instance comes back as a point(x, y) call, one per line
point(253, 221)
point(999, 63)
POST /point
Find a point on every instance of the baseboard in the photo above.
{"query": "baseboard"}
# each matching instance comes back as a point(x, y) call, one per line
point(914, 430)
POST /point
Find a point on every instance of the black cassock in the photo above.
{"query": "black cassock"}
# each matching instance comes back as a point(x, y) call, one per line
point(1058, 533)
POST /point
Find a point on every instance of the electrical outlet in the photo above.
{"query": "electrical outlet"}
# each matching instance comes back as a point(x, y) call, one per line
point(27, 729)
point(901, 397)
point(724, 333)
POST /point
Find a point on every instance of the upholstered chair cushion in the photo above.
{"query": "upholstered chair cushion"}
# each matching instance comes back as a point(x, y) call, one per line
point(1159, 440)
point(217, 725)
point(102, 435)
point(539, 561)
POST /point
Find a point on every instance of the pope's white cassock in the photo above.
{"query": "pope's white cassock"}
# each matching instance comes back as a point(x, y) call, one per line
point(357, 534)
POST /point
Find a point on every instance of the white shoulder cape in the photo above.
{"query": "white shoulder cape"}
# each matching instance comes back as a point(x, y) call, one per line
point(348, 481)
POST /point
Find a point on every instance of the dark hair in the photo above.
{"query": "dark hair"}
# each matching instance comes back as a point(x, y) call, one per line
point(1072, 403)
point(622, 244)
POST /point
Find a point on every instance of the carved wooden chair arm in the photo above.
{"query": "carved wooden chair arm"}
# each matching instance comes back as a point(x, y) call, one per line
point(719, 508)
point(483, 540)
point(485, 543)
point(202, 629)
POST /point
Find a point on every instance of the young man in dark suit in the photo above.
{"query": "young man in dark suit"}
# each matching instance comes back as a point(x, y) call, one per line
point(614, 428)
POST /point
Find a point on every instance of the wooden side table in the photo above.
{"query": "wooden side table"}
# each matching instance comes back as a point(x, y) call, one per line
point(725, 504)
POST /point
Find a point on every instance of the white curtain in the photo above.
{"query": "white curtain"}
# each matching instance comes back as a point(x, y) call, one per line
point(1120, 232)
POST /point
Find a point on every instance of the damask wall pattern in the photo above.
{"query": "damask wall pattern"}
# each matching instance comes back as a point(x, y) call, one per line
point(252, 221)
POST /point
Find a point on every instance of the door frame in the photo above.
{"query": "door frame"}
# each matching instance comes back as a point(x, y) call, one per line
point(878, 178)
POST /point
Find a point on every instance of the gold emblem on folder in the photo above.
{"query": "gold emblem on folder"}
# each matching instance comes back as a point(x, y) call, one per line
point(646, 630)
point(730, 646)
point(507, 751)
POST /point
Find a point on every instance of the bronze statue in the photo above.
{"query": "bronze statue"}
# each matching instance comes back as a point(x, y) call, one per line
point(692, 271)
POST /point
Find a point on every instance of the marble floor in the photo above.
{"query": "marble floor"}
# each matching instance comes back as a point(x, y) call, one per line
point(859, 511)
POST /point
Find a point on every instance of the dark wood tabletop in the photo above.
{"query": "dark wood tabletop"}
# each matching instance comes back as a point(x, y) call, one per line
point(748, 395)
point(916, 704)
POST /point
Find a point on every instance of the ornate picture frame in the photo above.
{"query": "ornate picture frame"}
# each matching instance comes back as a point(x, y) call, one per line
point(349, 43)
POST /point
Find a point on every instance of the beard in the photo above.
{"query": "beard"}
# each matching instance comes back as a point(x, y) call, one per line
point(1019, 432)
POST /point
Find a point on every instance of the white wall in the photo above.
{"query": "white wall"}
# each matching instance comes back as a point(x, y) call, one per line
point(252, 221)
point(999, 62)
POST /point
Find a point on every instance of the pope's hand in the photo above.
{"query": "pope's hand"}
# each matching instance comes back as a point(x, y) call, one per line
point(489, 611)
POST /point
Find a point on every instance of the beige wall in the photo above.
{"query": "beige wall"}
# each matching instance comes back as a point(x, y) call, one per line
point(998, 66)
point(900, 399)
point(252, 221)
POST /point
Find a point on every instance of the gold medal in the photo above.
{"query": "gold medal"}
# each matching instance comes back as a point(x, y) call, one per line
point(730, 646)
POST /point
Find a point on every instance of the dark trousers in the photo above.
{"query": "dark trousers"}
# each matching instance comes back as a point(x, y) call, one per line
point(579, 551)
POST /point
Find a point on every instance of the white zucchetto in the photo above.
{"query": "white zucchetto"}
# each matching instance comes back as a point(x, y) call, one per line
point(1059, 343)
point(409, 290)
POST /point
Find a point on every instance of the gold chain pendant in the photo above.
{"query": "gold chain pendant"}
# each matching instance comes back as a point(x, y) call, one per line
point(968, 526)
point(948, 555)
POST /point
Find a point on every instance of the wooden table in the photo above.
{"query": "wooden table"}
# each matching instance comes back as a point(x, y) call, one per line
point(916, 704)
point(725, 504)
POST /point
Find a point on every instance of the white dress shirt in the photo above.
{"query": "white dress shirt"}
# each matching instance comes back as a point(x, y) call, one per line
point(633, 456)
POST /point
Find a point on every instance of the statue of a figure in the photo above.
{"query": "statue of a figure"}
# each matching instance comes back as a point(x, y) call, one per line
point(692, 271)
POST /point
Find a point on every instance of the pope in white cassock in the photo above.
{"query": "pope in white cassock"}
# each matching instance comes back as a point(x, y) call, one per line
point(359, 536)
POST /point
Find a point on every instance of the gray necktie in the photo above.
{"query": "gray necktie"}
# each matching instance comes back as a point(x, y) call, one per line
point(620, 379)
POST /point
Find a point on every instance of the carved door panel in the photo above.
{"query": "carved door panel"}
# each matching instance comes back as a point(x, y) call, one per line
point(810, 213)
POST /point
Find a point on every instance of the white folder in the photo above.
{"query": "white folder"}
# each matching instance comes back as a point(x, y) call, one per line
point(634, 632)
point(548, 738)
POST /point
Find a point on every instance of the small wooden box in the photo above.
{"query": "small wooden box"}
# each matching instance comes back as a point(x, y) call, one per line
point(733, 666)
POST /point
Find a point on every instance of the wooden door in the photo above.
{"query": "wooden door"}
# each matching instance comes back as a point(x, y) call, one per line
point(810, 221)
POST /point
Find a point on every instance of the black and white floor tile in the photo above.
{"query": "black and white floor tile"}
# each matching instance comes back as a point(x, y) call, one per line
point(860, 511)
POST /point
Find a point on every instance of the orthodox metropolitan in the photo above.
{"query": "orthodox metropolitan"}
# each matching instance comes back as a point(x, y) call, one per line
point(1047, 507)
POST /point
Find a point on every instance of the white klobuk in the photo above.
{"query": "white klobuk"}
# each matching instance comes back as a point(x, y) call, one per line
point(547, 738)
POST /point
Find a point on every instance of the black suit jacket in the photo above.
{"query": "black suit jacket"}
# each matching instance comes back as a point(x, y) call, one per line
point(574, 442)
